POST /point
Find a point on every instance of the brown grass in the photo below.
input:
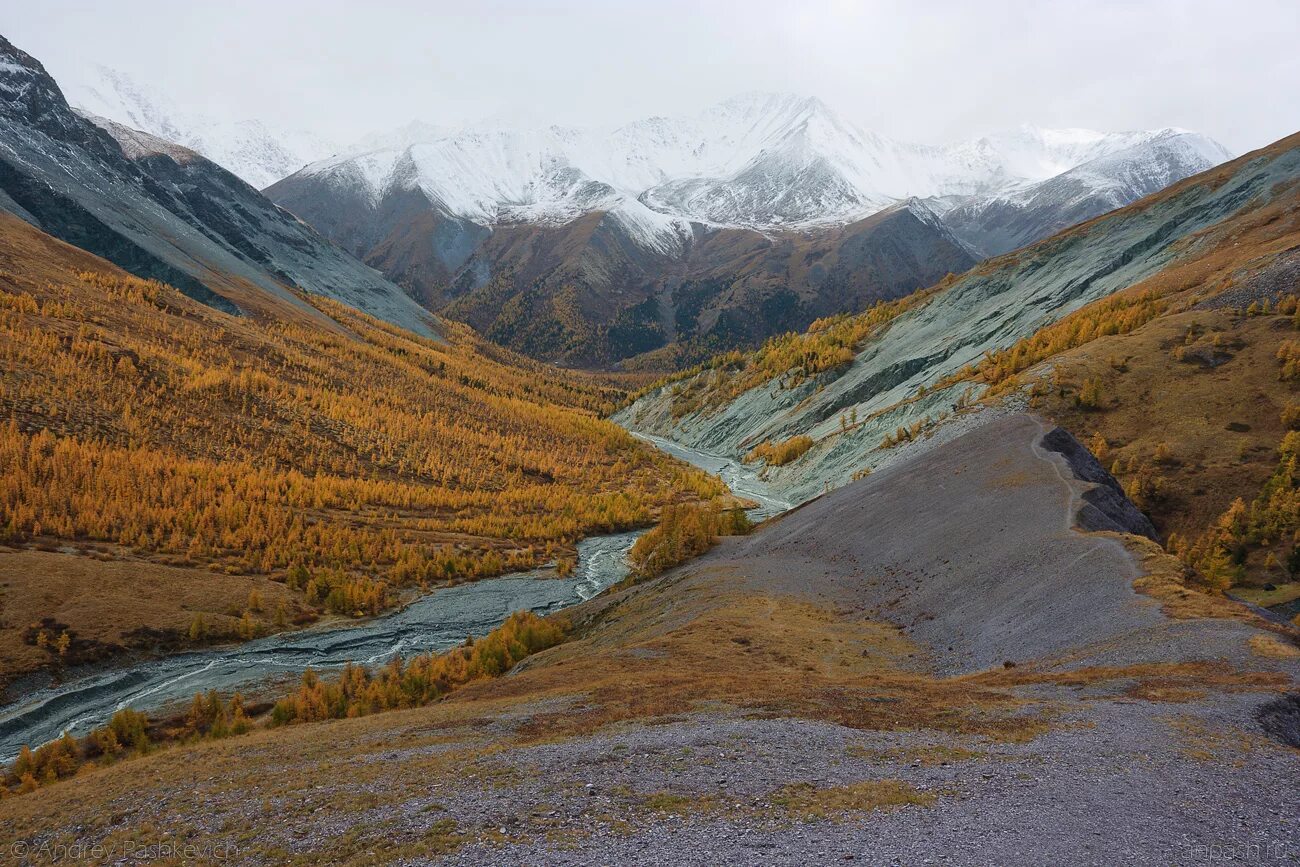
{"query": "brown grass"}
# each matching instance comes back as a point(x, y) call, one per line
point(104, 604)
point(1272, 647)
point(806, 802)
point(1165, 579)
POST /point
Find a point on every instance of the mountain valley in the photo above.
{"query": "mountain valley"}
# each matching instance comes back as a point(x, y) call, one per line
point(732, 487)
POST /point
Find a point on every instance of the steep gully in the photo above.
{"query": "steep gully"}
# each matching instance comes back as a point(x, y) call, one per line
point(435, 621)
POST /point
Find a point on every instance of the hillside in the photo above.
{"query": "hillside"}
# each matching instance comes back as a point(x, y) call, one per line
point(930, 663)
point(161, 211)
point(1160, 334)
point(176, 475)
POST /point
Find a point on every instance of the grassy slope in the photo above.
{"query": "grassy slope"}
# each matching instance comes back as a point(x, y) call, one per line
point(220, 455)
point(1193, 399)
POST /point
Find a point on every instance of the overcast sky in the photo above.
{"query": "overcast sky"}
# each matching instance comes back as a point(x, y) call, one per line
point(928, 70)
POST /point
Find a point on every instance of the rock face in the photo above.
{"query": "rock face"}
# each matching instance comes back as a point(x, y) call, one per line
point(1281, 719)
point(999, 224)
point(686, 236)
point(891, 381)
point(1105, 507)
point(162, 211)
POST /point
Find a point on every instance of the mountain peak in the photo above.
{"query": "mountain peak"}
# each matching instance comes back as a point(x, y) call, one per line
point(258, 152)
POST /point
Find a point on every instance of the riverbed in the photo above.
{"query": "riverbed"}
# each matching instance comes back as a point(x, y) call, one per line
point(433, 622)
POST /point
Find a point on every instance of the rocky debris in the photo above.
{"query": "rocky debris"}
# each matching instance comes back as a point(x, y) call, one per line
point(1281, 719)
point(1105, 505)
point(1268, 285)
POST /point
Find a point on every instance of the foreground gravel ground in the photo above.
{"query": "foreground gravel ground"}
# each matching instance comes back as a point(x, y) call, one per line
point(1115, 782)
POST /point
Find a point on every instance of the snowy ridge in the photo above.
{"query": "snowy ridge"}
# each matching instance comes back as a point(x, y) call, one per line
point(1018, 216)
point(259, 153)
point(768, 162)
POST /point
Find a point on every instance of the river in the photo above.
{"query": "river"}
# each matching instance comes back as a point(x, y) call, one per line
point(435, 621)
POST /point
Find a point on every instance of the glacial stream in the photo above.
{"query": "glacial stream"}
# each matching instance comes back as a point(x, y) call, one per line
point(435, 621)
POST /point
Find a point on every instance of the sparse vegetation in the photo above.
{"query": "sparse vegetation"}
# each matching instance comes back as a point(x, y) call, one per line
point(126, 734)
point(422, 679)
point(907, 433)
point(808, 802)
point(684, 532)
point(781, 453)
point(1120, 313)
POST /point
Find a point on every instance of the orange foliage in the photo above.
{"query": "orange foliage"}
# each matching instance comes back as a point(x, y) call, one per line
point(684, 532)
point(421, 680)
point(135, 416)
point(1118, 314)
point(782, 453)
point(828, 343)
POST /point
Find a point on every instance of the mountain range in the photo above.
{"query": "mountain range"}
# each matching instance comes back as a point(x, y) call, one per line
point(652, 244)
point(759, 161)
point(662, 241)
point(666, 239)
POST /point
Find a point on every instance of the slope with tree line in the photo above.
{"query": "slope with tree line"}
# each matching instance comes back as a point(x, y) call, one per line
point(242, 454)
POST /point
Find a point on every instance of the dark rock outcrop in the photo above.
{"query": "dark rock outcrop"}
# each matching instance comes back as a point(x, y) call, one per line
point(1281, 719)
point(1105, 506)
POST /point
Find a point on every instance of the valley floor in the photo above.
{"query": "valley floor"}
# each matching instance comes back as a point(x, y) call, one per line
point(930, 665)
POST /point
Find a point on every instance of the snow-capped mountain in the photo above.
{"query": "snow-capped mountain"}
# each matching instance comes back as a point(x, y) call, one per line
point(688, 234)
point(1008, 220)
point(761, 161)
point(257, 152)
